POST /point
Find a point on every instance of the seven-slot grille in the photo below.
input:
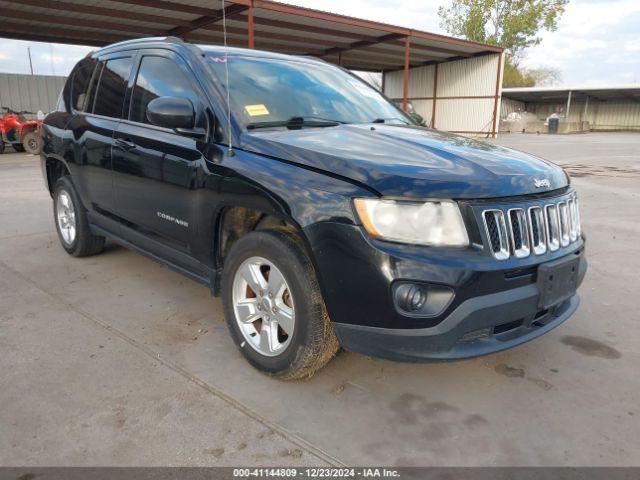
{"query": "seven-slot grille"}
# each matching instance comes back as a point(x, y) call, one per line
point(537, 229)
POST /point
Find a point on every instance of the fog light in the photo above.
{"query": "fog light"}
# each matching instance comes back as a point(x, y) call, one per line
point(421, 299)
point(411, 297)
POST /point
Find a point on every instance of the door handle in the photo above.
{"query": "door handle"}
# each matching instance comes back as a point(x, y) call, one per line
point(125, 143)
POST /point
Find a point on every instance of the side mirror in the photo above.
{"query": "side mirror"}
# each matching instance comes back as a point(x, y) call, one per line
point(175, 113)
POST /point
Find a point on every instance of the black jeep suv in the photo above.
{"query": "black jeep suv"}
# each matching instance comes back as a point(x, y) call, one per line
point(319, 211)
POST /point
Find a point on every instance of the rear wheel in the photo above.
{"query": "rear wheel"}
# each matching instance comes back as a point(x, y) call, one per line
point(71, 221)
point(31, 143)
point(273, 306)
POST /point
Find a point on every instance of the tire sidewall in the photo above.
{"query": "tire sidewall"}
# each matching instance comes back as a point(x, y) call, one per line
point(272, 245)
point(65, 184)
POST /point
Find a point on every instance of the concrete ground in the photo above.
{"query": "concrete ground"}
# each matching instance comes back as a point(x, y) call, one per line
point(115, 360)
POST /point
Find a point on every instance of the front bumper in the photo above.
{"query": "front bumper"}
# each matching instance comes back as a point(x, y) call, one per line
point(479, 326)
point(496, 304)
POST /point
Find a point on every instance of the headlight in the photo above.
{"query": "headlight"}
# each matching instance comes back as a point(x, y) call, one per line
point(436, 223)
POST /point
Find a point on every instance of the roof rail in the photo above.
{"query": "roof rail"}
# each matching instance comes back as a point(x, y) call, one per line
point(144, 40)
point(312, 57)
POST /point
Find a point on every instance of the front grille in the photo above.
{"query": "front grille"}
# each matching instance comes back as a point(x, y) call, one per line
point(520, 232)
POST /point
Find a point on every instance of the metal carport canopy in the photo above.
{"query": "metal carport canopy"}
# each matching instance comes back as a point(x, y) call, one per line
point(555, 94)
point(351, 42)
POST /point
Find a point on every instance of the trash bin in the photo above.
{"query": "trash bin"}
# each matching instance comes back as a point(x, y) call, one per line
point(553, 125)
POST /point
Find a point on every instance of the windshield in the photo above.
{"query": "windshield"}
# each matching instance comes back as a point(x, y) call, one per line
point(273, 92)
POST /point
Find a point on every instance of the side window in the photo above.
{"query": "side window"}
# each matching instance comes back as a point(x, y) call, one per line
point(80, 83)
point(159, 77)
point(112, 87)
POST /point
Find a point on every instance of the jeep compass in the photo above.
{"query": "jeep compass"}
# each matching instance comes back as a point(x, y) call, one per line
point(321, 214)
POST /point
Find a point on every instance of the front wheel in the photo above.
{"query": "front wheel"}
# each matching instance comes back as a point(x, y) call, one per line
point(274, 307)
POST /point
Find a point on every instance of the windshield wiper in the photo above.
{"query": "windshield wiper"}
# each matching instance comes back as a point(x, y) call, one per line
point(384, 120)
point(296, 123)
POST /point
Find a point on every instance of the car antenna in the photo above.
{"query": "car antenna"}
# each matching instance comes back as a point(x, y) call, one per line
point(230, 152)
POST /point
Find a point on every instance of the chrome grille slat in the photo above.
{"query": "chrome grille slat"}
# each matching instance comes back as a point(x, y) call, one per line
point(573, 221)
point(537, 229)
point(563, 213)
point(496, 228)
point(553, 227)
point(519, 230)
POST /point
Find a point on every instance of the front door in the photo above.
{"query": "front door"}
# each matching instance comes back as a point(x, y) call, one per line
point(156, 170)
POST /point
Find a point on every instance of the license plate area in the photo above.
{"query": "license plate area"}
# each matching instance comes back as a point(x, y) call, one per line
point(557, 281)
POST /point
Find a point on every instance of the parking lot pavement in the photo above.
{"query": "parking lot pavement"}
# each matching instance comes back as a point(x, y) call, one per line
point(114, 359)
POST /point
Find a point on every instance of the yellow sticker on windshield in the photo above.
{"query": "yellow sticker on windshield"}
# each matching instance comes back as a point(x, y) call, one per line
point(256, 110)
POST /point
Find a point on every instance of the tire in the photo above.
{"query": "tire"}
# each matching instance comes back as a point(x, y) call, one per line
point(18, 147)
point(68, 211)
point(31, 143)
point(312, 341)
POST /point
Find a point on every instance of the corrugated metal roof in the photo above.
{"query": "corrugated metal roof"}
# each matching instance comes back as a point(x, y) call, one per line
point(356, 43)
point(631, 92)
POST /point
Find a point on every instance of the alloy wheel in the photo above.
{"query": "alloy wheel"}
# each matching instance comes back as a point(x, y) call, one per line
point(263, 306)
point(66, 217)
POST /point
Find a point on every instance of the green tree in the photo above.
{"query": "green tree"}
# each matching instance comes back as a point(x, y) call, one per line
point(515, 76)
point(512, 24)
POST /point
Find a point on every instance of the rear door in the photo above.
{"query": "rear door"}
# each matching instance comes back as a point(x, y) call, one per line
point(98, 109)
point(155, 169)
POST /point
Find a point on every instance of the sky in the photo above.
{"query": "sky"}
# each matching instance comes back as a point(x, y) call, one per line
point(597, 41)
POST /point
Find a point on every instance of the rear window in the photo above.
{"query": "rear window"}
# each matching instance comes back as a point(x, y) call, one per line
point(112, 87)
point(80, 83)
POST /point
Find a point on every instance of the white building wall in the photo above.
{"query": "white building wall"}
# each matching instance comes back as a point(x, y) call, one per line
point(30, 92)
point(508, 105)
point(472, 76)
point(601, 115)
point(620, 115)
point(469, 116)
point(460, 83)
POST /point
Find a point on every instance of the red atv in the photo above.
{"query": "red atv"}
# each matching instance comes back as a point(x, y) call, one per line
point(22, 134)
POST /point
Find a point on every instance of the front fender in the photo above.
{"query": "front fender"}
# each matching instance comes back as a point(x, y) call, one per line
point(302, 195)
point(298, 195)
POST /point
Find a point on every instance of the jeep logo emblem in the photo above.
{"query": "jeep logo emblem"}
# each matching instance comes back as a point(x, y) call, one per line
point(541, 183)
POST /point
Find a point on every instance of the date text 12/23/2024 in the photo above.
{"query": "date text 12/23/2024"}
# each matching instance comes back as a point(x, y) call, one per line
point(345, 473)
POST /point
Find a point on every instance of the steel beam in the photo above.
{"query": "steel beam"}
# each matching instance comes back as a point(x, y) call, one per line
point(405, 78)
point(435, 96)
point(229, 11)
point(133, 30)
point(171, 6)
point(328, 17)
point(91, 38)
point(250, 28)
point(331, 32)
point(497, 99)
point(362, 44)
point(62, 7)
point(431, 49)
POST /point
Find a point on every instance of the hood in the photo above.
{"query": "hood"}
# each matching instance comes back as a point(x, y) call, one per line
point(411, 162)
